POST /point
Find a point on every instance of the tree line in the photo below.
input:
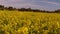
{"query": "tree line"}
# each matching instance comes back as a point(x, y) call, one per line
point(2, 7)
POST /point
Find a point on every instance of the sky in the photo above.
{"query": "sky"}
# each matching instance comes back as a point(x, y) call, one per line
point(34, 4)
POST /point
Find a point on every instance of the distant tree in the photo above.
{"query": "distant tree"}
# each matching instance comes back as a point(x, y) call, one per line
point(6, 8)
point(22, 9)
point(57, 11)
point(35, 10)
point(14, 8)
point(29, 9)
point(1, 7)
point(10, 8)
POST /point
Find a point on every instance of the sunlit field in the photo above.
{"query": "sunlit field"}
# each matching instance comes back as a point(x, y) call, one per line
point(18, 22)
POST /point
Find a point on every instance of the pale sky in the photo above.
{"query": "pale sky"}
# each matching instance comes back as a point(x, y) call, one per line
point(35, 4)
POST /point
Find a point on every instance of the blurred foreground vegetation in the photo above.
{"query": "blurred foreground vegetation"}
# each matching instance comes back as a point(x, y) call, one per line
point(15, 22)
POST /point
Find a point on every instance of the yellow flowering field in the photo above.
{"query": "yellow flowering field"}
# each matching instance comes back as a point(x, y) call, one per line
point(18, 22)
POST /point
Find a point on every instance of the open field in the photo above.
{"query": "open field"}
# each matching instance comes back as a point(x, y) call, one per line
point(14, 22)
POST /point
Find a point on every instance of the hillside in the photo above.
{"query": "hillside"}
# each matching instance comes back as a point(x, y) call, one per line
point(15, 22)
